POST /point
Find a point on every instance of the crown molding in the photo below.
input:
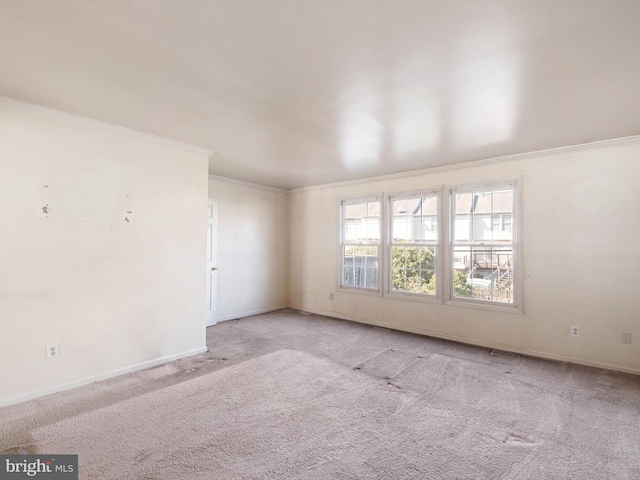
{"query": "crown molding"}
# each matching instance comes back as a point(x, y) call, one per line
point(247, 184)
point(475, 163)
point(79, 120)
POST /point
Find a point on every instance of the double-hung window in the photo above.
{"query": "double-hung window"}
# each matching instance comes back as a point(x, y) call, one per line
point(484, 244)
point(360, 243)
point(413, 244)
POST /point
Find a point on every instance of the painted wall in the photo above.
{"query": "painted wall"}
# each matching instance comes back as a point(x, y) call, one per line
point(252, 248)
point(581, 258)
point(102, 252)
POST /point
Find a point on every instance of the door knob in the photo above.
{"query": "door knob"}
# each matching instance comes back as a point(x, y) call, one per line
point(213, 269)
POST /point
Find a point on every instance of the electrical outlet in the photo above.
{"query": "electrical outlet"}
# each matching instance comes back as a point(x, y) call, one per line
point(575, 331)
point(53, 351)
point(625, 337)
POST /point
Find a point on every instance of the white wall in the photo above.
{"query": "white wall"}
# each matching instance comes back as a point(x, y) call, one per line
point(252, 248)
point(581, 257)
point(113, 294)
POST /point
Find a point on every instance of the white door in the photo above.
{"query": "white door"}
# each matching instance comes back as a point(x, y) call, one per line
point(212, 260)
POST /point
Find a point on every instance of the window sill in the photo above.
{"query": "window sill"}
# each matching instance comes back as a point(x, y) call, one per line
point(414, 297)
point(480, 305)
point(360, 291)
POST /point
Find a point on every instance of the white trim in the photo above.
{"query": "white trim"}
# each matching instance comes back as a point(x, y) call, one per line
point(247, 184)
point(477, 343)
point(103, 376)
point(422, 297)
point(412, 296)
point(483, 305)
point(507, 184)
point(237, 316)
point(360, 290)
point(474, 163)
point(79, 120)
point(354, 200)
point(517, 306)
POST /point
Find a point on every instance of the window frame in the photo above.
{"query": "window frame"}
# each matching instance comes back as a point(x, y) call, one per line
point(437, 246)
point(517, 306)
point(354, 200)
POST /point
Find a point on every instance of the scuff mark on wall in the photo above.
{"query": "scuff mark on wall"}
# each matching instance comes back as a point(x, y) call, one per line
point(128, 208)
point(84, 194)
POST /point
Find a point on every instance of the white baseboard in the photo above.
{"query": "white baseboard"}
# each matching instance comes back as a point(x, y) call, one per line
point(477, 343)
point(235, 316)
point(103, 376)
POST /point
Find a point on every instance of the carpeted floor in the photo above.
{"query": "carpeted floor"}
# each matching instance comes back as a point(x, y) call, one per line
point(289, 395)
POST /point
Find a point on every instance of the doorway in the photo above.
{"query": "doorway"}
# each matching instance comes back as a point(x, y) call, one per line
point(212, 262)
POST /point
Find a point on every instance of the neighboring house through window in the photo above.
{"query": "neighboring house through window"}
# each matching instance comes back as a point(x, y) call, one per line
point(484, 244)
point(413, 243)
point(482, 265)
point(360, 243)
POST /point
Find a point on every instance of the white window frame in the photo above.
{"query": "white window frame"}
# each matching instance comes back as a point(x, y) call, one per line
point(343, 202)
point(437, 245)
point(516, 227)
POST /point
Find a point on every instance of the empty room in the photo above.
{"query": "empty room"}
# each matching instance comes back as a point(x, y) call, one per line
point(348, 239)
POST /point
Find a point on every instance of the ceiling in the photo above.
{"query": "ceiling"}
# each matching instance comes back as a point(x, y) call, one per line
point(292, 93)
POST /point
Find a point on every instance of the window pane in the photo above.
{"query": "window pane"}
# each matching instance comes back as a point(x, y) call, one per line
point(401, 227)
point(463, 217)
point(362, 222)
point(484, 270)
point(413, 269)
point(502, 232)
point(360, 266)
point(503, 201)
point(414, 220)
point(361, 229)
point(503, 209)
point(483, 273)
point(430, 228)
point(506, 223)
point(371, 267)
point(373, 221)
point(348, 259)
point(479, 217)
point(350, 211)
point(481, 231)
point(461, 271)
point(349, 230)
point(496, 223)
point(481, 221)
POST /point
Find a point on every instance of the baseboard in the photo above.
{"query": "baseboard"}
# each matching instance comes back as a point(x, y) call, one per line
point(235, 316)
point(477, 343)
point(103, 376)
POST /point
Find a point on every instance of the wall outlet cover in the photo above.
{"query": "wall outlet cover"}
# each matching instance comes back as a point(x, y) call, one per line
point(53, 351)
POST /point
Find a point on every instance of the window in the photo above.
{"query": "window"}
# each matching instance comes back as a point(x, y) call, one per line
point(484, 244)
point(413, 244)
point(360, 243)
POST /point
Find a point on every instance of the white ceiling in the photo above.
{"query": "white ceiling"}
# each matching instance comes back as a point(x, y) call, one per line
point(291, 93)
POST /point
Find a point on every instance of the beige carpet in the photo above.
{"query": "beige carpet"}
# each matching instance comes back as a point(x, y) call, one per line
point(292, 415)
point(286, 395)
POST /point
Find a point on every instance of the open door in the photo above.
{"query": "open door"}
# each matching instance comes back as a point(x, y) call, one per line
point(212, 260)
